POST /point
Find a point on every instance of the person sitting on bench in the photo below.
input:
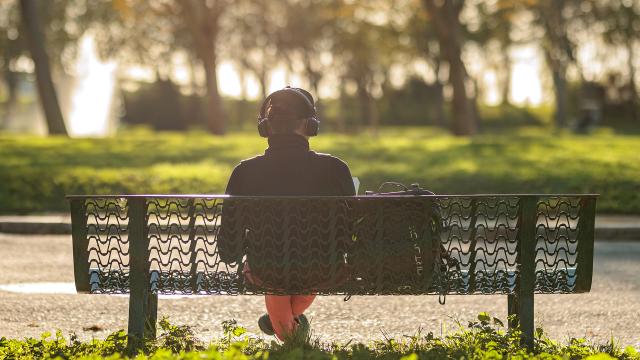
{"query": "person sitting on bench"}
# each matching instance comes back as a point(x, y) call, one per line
point(288, 168)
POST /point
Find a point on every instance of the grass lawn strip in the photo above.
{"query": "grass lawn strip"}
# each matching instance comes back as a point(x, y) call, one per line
point(37, 172)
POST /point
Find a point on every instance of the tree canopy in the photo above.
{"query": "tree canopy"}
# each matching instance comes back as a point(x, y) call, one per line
point(364, 50)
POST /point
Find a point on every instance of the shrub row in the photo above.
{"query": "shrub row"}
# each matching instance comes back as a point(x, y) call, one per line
point(485, 338)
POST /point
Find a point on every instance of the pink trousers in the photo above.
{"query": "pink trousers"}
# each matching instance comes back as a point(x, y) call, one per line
point(283, 309)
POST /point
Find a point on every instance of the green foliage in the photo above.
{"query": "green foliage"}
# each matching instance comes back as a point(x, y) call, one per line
point(177, 338)
point(417, 103)
point(485, 338)
point(36, 173)
point(502, 117)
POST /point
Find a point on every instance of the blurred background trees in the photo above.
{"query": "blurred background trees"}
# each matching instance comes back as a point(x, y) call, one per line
point(445, 16)
point(464, 65)
point(32, 27)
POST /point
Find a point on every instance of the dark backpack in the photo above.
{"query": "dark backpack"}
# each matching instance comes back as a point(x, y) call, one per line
point(397, 245)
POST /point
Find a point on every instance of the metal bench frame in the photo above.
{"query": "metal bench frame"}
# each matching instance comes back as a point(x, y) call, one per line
point(557, 227)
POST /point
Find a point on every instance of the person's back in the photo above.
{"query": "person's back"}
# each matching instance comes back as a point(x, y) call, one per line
point(290, 168)
point(287, 168)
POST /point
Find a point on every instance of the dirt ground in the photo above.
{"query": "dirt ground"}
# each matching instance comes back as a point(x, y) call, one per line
point(610, 309)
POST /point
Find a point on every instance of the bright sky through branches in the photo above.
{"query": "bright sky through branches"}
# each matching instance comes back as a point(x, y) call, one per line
point(92, 95)
point(526, 84)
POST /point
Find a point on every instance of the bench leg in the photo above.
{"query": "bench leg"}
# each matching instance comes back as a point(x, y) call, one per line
point(143, 314)
point(522, 307)
point(151, 317)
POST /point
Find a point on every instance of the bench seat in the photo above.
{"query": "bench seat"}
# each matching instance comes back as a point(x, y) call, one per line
point(514, 245)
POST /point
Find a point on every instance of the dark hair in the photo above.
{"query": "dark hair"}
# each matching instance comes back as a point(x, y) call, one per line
point(285, 116)
point(283, 119)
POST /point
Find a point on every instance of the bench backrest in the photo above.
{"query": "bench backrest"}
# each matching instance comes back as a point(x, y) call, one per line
point(216, 244)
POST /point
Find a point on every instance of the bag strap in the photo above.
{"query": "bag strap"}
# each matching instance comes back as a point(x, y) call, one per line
point(413, 189)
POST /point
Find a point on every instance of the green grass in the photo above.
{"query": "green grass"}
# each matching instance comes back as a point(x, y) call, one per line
point(485, 338)
point(36, 173)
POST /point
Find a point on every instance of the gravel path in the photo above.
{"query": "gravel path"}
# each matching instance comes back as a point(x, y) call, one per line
point(611, 308)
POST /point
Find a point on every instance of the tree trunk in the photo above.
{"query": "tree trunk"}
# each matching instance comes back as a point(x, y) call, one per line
point(216, 118)
point(558, 53)
point(560, 93)
point(46, 90)
point(464, 122)
point(474, 103)
point(262, 79)
point(368, 108)
point(558, 75)
point(314, 76)
point(506, 78)
point(202, 19)
point(243, 104)
point(445, 16)
point(341, 121)
point(194, 84)
point(441, 118)
point(11, 79)
point(375, 116)
point(633, 101)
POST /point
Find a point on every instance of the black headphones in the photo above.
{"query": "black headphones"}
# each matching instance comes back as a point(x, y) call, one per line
point(312, 123)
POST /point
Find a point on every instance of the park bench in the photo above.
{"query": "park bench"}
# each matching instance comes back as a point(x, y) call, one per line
point(513, 245)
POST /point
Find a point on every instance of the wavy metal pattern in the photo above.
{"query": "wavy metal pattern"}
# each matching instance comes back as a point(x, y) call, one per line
point(557, 244)
point(108, 244)
point(349, 245)
point(482, 235)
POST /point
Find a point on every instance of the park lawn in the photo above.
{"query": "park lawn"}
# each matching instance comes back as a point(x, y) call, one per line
point(36, 172)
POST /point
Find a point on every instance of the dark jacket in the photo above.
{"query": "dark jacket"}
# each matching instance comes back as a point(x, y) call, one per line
point(288, 167)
